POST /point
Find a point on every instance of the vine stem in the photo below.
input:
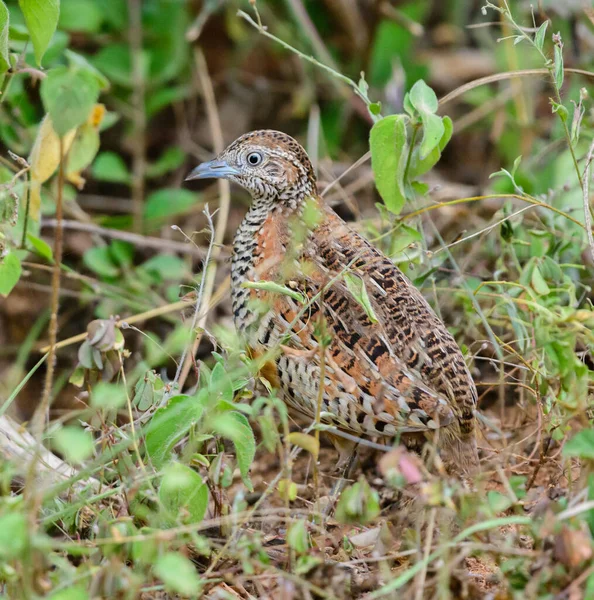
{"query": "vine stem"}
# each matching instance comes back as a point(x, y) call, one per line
point(38, 420)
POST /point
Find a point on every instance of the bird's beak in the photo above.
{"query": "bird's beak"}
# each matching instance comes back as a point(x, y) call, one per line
point(215, 168)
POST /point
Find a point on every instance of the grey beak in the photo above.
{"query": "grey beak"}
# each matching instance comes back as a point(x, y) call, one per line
point(215, 168)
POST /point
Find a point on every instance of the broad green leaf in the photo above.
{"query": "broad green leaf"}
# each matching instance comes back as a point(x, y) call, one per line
point(220, 384)
point(68, 95)
point(178, 574)
point(108, 395)
point(423, 98)
point(4, 26)
point(168, 202)
point(235, 427)
point(420, 166)
point(109, 166)
point(83, 149)
point(41, 17)
point(10, 273)
point(169, 424)
point(433, 130)
point(183, 494)
point(41, 247)
point(99, 260)
point(74, 443)
point(538, 282)
point(14, 535)
point(389, 151)
point(581, 445)
point(357, 288)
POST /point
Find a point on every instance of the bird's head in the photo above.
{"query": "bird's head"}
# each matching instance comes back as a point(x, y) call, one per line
point(269, 164)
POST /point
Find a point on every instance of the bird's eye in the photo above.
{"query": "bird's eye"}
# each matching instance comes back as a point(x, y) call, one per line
point(254, 159)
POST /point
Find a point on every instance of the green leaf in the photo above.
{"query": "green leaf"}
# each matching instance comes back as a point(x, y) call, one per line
point(358, 290)
point(41, 248)
point(166, 267)
point(538, 282)
point(559, 64)
point(109, 166)
point(99, 260)
point(10, 273)
point(4, 26)
point(14, 535)
point(114, 61)
point(275, 288)
point(80, 15)
point(423, 98)
point(419, 167)
point(183, 494)
point(171, 159)
point(168, 202)
point(68, 95)
point(297, 537)
point(41, 17)
point(540, 36)
point(169, 424)
point(178, 574)
point(433, 131)
point(389, 151)
point(220, 384)
point(160, 98)
point(148, 391)
point(358, 504)
point(74, 443)
point(108, 395)
point(581, 445)
point(235, 427)
point(498, 502)
point(77, 60)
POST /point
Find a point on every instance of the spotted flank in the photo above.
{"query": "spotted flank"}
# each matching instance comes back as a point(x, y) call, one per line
point(398, 373)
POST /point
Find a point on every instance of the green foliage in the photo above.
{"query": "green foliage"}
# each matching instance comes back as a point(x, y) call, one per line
point(395, 160)
point(41, 17)
point(68, 94)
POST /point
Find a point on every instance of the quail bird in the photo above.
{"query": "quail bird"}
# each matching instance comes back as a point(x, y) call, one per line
point(391, 368)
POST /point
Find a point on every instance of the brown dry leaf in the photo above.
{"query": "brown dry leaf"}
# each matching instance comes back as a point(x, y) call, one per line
point(572, 547)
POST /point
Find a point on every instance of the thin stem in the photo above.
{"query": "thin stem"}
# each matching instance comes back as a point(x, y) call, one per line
point(138, 116)
point(358, 91)
point(218, 235)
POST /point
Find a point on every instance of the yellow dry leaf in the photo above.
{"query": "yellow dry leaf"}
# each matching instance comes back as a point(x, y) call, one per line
point(44, 160)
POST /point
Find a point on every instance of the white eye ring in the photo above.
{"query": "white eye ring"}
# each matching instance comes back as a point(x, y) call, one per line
point(254, 159)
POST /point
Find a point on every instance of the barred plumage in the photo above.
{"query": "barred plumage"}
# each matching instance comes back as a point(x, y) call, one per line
point(391, 368)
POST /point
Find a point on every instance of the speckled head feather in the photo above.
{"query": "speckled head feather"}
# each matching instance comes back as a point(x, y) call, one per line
point(269, 164)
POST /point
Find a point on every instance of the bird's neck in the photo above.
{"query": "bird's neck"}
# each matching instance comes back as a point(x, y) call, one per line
point(267, 227)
